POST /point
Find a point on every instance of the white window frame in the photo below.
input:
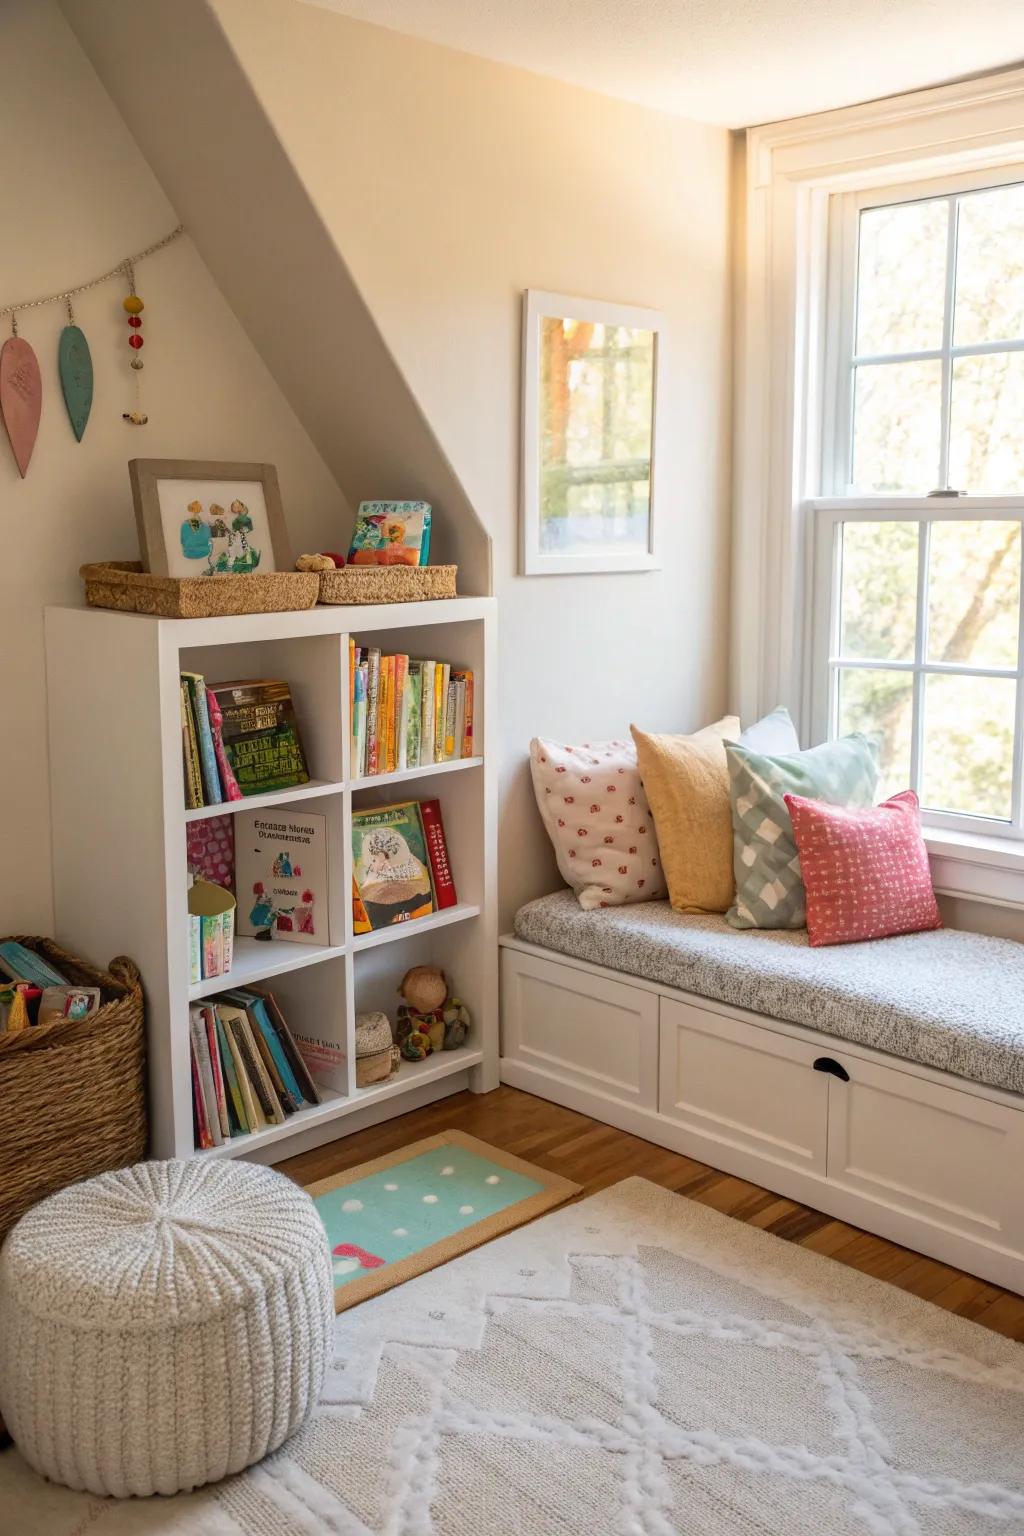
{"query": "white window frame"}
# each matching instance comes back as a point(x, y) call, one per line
point(786, 339)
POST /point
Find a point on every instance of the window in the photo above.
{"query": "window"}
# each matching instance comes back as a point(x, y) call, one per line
point(917, 589)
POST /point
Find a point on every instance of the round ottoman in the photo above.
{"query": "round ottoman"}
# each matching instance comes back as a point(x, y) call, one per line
point(164, 1325)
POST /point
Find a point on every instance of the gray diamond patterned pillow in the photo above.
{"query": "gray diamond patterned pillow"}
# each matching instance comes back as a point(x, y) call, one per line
point(769, 890)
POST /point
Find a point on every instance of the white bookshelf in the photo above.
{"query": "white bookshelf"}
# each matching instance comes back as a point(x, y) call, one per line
point(119, 825)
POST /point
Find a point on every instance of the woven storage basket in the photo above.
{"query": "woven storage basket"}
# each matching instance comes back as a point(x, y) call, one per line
point(72, 1093)
point(387, 583)
point(375, 1049)
point(123, 584)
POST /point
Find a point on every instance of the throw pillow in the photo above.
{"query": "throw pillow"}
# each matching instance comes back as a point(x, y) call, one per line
point(596, 814)
point(687, 784)
point(865, 871)
point(769, 890)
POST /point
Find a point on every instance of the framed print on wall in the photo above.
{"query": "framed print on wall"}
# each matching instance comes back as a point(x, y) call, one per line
point(202, 518)
point(590, 411)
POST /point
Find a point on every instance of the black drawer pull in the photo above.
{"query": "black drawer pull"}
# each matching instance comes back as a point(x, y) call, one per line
point(827, 1064)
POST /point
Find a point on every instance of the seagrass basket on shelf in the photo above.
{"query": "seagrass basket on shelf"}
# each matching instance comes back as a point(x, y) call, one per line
point(125, 586)
point(72, 1093)
point(387, 583)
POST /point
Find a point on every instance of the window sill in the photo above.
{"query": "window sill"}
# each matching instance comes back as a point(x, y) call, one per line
point(976, 867)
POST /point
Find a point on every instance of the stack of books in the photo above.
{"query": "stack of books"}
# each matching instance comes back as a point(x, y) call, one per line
point(407, 713)
point(249, 1069)
point(238, 739)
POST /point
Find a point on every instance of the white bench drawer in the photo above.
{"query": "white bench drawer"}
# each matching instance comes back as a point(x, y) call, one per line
point(580, 1028)
point(743, 1086)
point(940, 1153)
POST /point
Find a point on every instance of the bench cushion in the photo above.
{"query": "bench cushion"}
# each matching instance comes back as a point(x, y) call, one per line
point(946, 999)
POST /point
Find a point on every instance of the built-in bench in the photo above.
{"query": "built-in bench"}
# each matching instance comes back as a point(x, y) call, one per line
point(881, 1082)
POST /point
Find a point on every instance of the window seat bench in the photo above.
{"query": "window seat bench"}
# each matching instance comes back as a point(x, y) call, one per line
point(881, 1082)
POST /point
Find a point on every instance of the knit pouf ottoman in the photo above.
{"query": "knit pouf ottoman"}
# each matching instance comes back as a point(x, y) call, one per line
point(163, 1326)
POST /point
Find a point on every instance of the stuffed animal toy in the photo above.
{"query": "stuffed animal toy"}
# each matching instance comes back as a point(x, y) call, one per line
point(429, 1014)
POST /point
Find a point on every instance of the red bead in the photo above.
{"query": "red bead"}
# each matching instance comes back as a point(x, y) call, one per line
point(134, 321)
point(135, 340)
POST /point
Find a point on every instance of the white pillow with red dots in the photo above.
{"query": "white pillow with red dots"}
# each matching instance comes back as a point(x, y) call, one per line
point(596, 814)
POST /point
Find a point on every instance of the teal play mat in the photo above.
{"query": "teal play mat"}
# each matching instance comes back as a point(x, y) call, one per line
point(435, 1196)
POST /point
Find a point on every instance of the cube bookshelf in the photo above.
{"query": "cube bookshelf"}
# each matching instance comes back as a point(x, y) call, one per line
point(119, 820)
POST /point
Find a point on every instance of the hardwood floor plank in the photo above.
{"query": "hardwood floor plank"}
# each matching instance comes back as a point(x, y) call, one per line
point(596, 1155)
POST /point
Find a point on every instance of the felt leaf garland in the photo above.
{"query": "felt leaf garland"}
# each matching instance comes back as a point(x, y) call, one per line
point(21, 398)
point(74, 363)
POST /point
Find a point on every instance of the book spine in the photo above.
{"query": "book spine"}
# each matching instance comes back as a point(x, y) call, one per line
point(230, 1075)
point(219, 1093)
point(427, 714)
point(351, 684)
point(195, 950)
point(227, 923)
point(226, 774)
point(256, 1071)
point(460, 716)
point(440, 705)
point(211, 941)
point(401, 711)
point(193, 773)
point(279, 1024)
point(389, 713)
point(451, 708)
point(373, 712)
point(206, 1075)
point(285, 1082)
point(207, 755)
point(358, 721)
point(204, 1139)
point(413, 718)
point(361, 735)
point(468, 748)
point(232, 1033)
point(437, 852)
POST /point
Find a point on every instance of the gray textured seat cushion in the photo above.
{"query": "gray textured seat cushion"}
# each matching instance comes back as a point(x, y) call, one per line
point(946, 999)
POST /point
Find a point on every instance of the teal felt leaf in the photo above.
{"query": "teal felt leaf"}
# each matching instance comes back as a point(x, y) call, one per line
point(74, 361)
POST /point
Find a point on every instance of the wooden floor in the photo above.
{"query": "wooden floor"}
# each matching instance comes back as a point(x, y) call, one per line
point(595, 1155)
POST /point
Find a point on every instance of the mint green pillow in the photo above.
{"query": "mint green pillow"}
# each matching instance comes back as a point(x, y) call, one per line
point(769, 890)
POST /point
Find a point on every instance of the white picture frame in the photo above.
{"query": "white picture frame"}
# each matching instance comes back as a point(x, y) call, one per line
point(584, 543)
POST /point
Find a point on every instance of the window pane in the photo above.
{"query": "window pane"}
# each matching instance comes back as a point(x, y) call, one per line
point(968, 745)
point(974, 593)
point(878, 611)
point(883, 702)
point(901, 276)
point(990, 267)
point(986, 434)
point(896, 427)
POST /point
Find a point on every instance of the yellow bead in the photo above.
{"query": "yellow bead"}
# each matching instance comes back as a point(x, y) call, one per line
point(133, 304)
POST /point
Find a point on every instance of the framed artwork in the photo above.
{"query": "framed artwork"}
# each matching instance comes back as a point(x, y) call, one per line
point(590, 396)
point(197, 518)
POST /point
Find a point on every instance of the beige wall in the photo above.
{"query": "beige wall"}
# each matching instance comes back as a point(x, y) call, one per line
point(77, 196)
point(450, 184)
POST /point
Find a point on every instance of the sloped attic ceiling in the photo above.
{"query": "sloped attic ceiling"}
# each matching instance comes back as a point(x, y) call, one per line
point(176, 81)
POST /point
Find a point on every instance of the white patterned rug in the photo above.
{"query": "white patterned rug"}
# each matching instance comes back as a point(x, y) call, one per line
point(634, 1365)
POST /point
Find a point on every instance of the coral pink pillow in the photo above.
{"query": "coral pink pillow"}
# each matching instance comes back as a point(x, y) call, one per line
point(866, 871)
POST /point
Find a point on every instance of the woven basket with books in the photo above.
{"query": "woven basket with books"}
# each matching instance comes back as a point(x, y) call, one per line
point(72, 1093)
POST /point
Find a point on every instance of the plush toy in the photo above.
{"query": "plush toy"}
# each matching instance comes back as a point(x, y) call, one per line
point(314, 563)
point(429, 1014)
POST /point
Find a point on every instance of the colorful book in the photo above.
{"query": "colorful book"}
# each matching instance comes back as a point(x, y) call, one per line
point(261, 735)
point(281, 875)
point(373, 711)
point(387, 710)
point(391, 533)
point(263, 1089)
point(225, 772)
point(398, 708)
point(465, 675)
point(219, 1090)
point(437, 854)
point(359, 722)
point(441, 677)
point(203, 1138)
point(23, 964)
point(236, 1103)
point(413, 713)
point(307, 1087)
point(281, 1075)
point(215, 909)
point(209, 1097)
point(204, 737)
point(190, 752)
point(449, 721)
point(390, 865)
point(427, 696)
point(254, 1116)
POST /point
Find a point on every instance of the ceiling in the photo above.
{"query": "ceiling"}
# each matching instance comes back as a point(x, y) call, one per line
point(731, 62)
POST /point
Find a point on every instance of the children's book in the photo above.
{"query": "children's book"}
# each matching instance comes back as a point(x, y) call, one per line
point(427, 692)
point(225, 772)
point(308, 1088)
point(373, 711)
point(437, 854)
point(22, 964)
point(204, 737)
point(236, 1103)
point(281, 876)
point(254, 1116)
point(237, 1022)
point(219, 1089)
point(281, 1075)
point(190, 752)
point(398, 711)
point(201, 1047)
point(359, 722)
point(261, 735)
point(203, 1139)
point(391, 533)
point(413, 714)
point(465, 675)
point(390, 864)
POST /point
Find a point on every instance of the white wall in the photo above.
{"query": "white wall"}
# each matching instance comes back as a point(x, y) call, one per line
point(450, 184)
point(78, 196)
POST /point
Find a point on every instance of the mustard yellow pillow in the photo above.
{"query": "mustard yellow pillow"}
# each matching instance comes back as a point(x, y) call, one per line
point(686, 781)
